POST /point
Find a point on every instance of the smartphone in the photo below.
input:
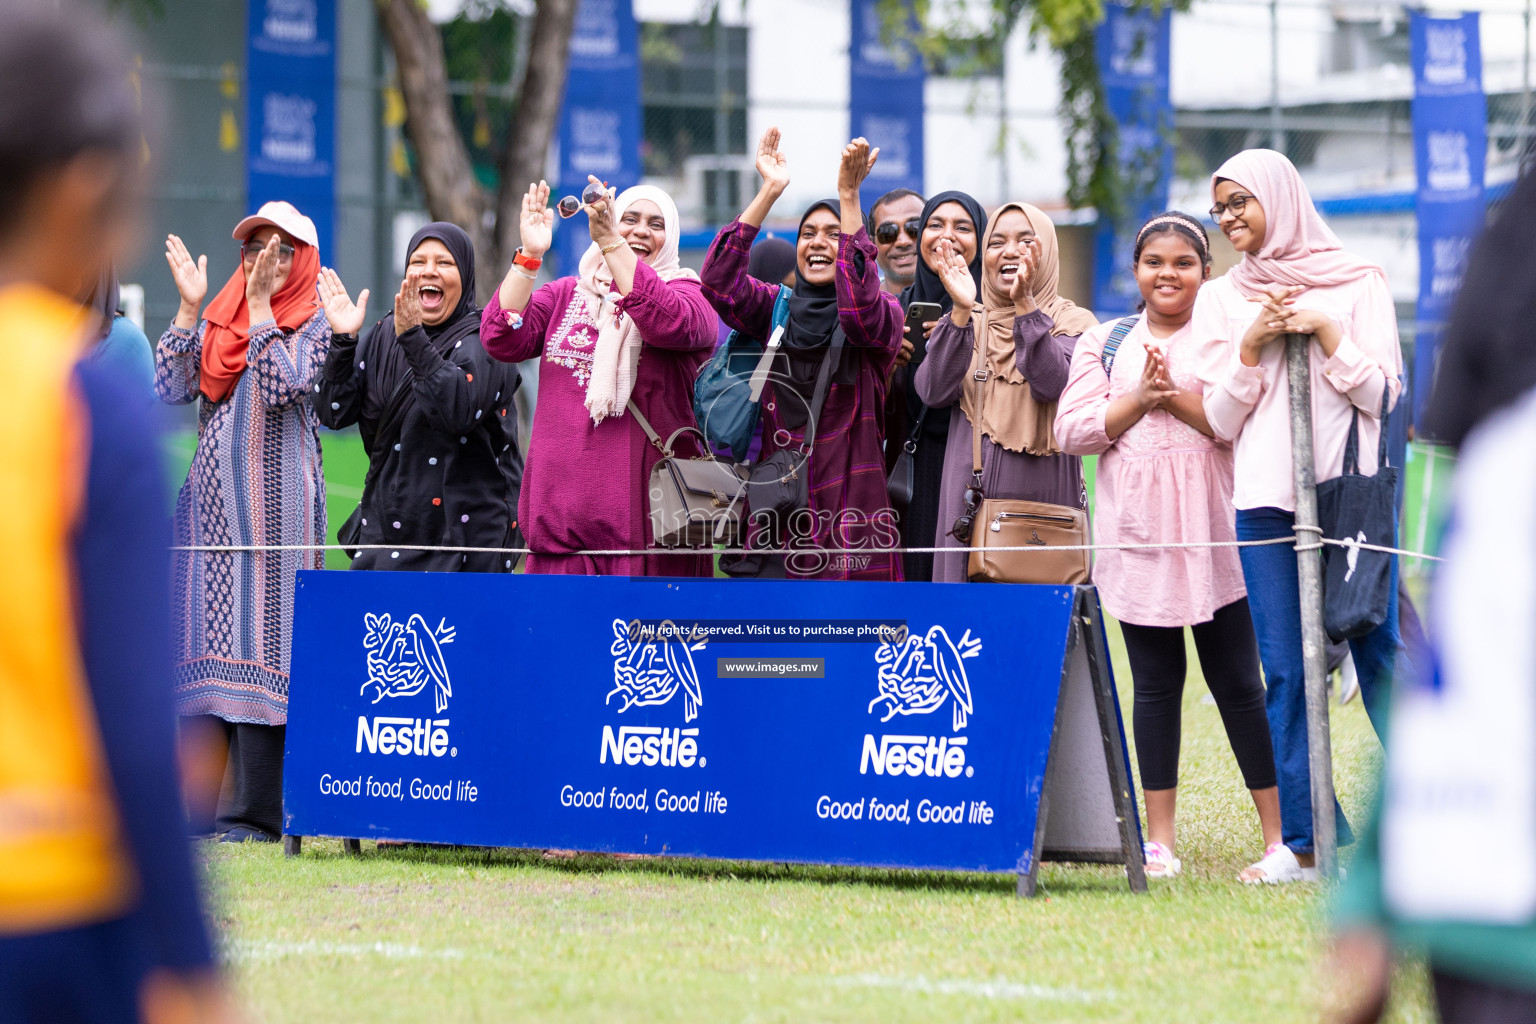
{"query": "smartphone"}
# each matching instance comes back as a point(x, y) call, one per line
point(918, 314)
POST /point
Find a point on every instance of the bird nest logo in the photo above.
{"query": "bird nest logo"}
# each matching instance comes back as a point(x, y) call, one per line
point(404, 657)
point(651, 665)
point(917, 674)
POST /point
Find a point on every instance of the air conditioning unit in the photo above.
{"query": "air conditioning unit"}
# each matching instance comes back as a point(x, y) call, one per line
point(716, 188)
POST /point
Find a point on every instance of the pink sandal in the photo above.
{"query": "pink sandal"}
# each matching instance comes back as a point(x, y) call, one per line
point(1161, 863)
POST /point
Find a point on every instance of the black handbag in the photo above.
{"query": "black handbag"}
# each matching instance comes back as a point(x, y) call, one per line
point(779, 485)
point(350, 532)
point(899, 485)
point(1357, 509)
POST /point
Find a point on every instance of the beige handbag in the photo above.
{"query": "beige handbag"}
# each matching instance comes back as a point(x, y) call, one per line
point(1011, 523)
point(695, 502)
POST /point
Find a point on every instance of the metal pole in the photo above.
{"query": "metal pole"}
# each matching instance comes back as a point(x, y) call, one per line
point(1314, 643)
point(1276, 132)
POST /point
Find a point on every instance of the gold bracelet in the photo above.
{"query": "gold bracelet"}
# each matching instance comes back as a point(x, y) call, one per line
point(606, 249)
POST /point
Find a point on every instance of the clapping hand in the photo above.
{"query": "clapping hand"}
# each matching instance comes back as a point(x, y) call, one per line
point(771, 163)
point(344, 316)
point(955, 274)
point(1154, 389)
point(408, 303)
point(191, 276)
point(536, 223)
point(858, 160)
point(1022, 291)
point(261, 282)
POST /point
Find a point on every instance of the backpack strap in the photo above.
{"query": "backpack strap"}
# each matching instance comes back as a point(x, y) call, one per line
point(1116, 336)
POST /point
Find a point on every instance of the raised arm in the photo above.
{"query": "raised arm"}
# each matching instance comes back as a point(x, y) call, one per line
point(179, 354)
point(536, 224)
point(743, 302)
point(178, 364)
point(512, 336)
point(342, 385)
point(670, 314)
point(870, 316)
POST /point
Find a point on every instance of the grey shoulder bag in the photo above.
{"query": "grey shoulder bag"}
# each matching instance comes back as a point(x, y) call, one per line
point(695, 502)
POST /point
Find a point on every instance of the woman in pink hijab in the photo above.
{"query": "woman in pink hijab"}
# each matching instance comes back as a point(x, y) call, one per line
point(1294, 278)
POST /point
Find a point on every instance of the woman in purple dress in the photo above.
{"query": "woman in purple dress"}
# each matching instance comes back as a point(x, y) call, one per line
point(837, 293)
point(1019, 337)
point(631, 323)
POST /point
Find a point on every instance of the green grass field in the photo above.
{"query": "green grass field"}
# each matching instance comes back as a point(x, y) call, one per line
point(475, 936)
point(442, 934)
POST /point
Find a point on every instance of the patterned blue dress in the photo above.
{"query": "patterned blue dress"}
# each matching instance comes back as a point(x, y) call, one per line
point(256, 480)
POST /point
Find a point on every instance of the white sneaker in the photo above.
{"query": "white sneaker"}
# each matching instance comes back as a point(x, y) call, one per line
point(1349, 681)
point(1280, 866)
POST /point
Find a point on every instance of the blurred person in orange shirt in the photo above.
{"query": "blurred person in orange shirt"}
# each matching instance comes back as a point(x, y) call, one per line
point(100, 918)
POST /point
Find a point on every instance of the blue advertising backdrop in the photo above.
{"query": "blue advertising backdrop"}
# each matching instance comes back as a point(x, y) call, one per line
point(1450, 146)
point(885, 103)
point(1132, 47)
point(518, 711)
point(600, 120)
point(291, 113)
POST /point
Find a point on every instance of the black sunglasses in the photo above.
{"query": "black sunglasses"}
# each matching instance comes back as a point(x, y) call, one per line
point(964, 526)
point(886, 233)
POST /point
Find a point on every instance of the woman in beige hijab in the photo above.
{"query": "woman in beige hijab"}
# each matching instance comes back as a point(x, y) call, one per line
point(1027, 333)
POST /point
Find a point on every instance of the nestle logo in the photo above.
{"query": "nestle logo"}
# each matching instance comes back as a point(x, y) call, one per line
point(650, 745)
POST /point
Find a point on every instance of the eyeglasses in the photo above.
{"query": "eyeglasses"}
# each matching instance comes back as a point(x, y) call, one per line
point(250, 250)
point(570, 206)
point(1235, 204)
point(886, 233)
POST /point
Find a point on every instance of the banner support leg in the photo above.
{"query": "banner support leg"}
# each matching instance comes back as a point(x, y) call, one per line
point(352, 847)
point(292, 845)
point(1314, 642)
point(1091, 622)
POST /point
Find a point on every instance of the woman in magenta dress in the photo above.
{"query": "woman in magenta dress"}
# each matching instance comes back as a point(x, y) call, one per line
point(837, 285)
point(632, 323)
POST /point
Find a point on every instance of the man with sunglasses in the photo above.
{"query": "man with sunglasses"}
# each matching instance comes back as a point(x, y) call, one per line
point(895, 222)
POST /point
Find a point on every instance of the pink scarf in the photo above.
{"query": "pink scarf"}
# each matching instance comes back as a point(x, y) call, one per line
point(1299, 250)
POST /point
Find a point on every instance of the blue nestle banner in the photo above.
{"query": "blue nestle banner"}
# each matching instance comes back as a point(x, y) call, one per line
point(1450, 145)
point(884, 724)
point(885, 102)
point(291, 109)
point(1132, 48)
point(600, 121)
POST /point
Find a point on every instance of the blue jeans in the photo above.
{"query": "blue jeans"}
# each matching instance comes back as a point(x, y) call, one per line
point(1274, 598)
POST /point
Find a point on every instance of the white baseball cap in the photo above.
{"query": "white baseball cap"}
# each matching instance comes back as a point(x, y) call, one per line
point(281, 215)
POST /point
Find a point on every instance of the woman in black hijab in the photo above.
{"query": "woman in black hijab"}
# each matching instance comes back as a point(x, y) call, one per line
point(436, 413)
point(959, 218)
point(837, 312)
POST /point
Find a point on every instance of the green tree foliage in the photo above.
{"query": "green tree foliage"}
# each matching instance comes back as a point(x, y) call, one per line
point(968, 36)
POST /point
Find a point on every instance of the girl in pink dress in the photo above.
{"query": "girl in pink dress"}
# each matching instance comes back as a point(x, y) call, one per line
point(1163, 477)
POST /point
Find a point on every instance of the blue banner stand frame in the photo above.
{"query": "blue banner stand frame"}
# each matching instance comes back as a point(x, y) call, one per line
point(985, 736)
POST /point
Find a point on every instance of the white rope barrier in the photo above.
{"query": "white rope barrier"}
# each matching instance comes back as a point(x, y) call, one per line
point(634, 552)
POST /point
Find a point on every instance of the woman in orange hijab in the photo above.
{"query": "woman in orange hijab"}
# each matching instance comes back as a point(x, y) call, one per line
point(251, 362)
